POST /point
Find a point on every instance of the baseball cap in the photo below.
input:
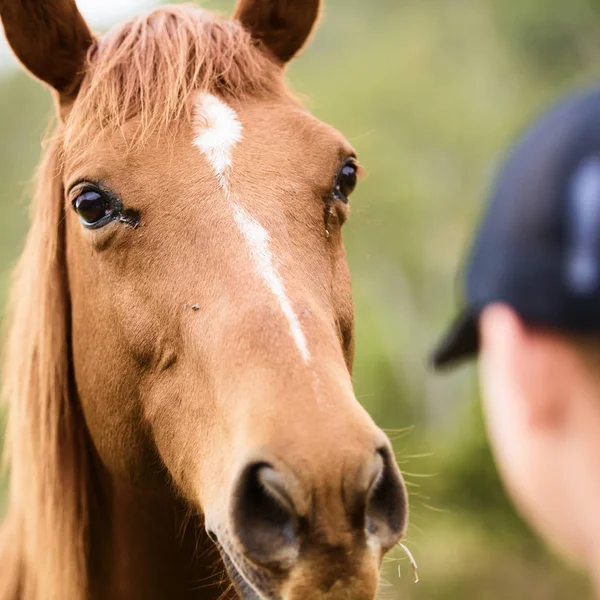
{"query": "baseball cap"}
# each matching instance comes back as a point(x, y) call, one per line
point(537, 248)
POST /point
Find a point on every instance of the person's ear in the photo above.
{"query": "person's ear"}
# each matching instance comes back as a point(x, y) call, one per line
point(51, 39)
point(281, 26)
point(533, 363)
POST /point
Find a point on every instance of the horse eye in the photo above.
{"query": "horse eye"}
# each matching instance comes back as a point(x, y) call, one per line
point(346, 181)
point(94, 208)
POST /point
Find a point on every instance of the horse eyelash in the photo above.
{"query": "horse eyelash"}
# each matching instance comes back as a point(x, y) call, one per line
point(127, 216)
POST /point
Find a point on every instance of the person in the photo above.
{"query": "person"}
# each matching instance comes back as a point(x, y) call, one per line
point(532, 315)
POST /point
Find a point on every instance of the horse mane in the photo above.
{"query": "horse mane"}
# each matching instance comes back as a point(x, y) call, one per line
point(151, 67)
point(148, 68)
point(45, 443)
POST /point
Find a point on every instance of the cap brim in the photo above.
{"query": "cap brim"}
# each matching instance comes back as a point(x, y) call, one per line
point(460, 343)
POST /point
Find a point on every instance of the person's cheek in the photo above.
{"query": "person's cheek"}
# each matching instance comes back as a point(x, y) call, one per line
point(505, 427)
point(527, 466)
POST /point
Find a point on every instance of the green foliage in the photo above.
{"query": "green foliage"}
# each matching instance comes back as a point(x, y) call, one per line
point(429, 92)
point(24, 112)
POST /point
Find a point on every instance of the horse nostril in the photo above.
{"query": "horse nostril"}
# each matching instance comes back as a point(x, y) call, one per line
point(387, 503)
point(264, 517)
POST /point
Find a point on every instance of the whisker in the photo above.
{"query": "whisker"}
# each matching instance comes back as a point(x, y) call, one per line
point(412, 561)
point(420, 475)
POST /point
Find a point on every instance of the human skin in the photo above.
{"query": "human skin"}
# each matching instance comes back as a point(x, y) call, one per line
point(541, 400)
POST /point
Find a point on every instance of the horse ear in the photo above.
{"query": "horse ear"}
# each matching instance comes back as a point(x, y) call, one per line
point(283, 26)
point(51, 39)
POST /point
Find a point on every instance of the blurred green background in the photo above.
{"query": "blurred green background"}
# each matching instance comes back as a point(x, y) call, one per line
point(430, 92)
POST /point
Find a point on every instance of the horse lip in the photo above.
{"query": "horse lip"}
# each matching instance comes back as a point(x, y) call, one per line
point(240, 581)
point(212, 536)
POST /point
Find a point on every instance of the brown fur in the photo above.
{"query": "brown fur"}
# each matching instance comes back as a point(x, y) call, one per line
point(130, 413)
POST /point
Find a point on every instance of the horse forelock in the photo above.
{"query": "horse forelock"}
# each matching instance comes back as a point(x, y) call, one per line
point(151, 67)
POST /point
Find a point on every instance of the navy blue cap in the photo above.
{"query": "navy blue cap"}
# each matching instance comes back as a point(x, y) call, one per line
point(538, 246)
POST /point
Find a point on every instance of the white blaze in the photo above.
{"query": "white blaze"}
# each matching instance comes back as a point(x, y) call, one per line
point(218, 131)
point(258, 240)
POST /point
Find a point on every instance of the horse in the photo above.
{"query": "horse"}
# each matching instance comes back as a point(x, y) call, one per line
point(181, 416)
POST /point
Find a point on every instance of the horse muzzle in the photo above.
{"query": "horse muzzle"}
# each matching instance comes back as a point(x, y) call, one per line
point(295, 533)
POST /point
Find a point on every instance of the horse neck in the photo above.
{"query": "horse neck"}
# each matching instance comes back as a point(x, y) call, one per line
point(145, 545)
